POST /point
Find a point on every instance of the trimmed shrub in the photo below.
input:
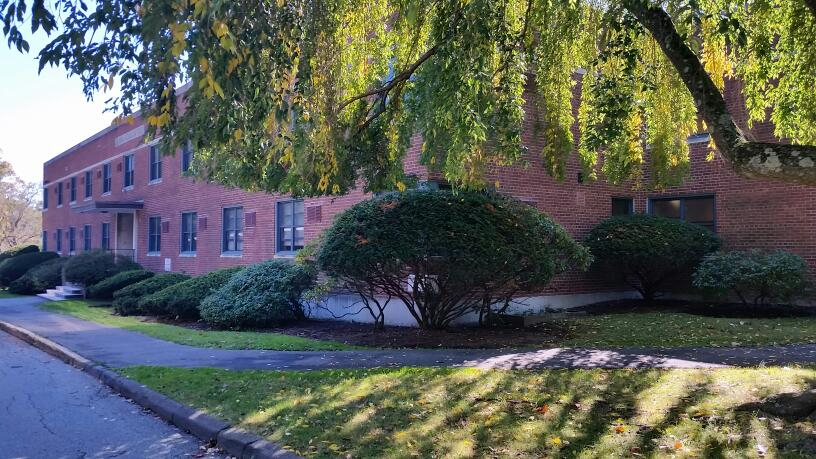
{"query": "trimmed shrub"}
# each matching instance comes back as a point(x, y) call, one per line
point(89, 268)
point(14, 267)
point(126, 300)
point(40, 278)
point(260, 295)
point(648, 250)
point(754, 276)
point(445, 254)
point(182, 300)
point(18, 251)
point(104, 290)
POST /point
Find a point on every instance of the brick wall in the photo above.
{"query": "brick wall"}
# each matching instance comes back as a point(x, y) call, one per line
point(750, 213)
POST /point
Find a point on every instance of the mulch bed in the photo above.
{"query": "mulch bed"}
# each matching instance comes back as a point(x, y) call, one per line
point(361, 334)
point(700, 308)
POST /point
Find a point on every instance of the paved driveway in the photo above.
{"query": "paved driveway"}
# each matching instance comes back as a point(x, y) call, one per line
point(120, 348)
point(51, 410)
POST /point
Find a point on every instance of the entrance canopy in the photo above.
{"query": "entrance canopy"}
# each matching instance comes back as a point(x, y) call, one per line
point(103, 207)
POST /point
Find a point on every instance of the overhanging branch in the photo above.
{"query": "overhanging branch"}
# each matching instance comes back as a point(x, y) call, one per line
point(788, 163)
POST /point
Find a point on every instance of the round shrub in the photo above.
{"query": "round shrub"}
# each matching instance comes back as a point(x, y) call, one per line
point(649, 250)
point(14, 267)
point(89, 268)
point(753, 276)
point(104, 290)
point(40, 278)
point(260, 295)
point(445, 254)
point(126, 300)
point(18, 251)
point(182, 300)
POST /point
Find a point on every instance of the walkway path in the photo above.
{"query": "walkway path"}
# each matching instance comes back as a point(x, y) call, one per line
point(120, 348)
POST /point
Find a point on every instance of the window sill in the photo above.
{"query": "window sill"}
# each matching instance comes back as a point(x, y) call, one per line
point(88, 198)
point(153, 254)
point(154, 182)
point(107, 193)
point(59, 206)
point(286, 255)
point(127, 188)
point(72, 203)
point(232, 254)
point(187, 254)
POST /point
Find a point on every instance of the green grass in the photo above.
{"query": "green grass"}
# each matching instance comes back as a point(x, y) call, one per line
point(672, 329)
point(5, 294)
point(409, 412)
point(183, 335)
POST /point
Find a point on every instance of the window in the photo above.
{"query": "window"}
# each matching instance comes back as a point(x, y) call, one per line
point(58, 238)
point(71, 240)
point(45, 198)
point(73, 189)
point(154, 235)
point(290, 226)
point(188, 232)
point(45, 241)
point(155, 163)
point(59, 194)
point(88, 184)
point(233, 230)
point(186, 156)
point(623, 206)
point(106, 178)
point(105, 244)
point(86, 238)
point(697, 209)
point(129, 159)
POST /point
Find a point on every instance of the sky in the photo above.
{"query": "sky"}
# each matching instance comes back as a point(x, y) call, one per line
point(42, 115)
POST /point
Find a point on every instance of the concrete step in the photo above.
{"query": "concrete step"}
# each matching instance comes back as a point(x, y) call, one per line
point(70, 289)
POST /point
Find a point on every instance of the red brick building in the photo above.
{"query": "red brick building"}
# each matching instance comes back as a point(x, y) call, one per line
point(116, 192)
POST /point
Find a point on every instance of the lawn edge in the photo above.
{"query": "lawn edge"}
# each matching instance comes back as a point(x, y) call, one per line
point(234, 440)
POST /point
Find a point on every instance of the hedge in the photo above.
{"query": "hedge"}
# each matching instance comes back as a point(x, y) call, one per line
point(126, 300)
point(104, 290)
point(40, 278)
point(260, 295)
point(18, 251)
point(89, 268)
point(15, 267)
point(182, 300)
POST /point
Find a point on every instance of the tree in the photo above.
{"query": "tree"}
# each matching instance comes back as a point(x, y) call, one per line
point(310, 96)
point(20, 220)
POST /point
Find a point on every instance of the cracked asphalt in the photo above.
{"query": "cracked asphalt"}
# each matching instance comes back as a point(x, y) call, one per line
point(51, 410)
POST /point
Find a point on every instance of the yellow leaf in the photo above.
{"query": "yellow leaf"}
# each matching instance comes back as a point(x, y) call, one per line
point(238, 134)
point(555, 441)
point(401, 186)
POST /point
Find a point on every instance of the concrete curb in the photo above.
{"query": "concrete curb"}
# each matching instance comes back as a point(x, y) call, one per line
point(234, 440)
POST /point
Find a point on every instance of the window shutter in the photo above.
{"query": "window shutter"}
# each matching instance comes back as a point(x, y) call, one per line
point(249, 220)
point(202, 223)
point(165, 227)
point(314, 214)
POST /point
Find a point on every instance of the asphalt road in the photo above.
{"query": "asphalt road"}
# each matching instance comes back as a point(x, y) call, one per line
point(51, 410)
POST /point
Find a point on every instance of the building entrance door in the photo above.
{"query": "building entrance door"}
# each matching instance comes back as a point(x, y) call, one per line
point(126, 235)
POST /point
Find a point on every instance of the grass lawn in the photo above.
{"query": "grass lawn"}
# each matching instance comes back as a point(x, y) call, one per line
point(183, 335)
point(5, 294)
point(673, 329)
point(408, 412)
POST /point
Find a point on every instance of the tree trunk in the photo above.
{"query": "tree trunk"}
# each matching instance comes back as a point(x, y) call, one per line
point(788, 163)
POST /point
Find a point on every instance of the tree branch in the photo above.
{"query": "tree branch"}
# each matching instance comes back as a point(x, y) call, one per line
point(811, 4)
point(782, 162)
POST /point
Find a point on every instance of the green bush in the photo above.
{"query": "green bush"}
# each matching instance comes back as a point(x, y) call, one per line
point(260, 295)
point(18, 251)
point(126, 300)
point(648, 251)
point(104, 290)
point(754, 276)
point(182, 300)
point(40, 278)
point(89, 268)
point(14, 267)
point(445, 254)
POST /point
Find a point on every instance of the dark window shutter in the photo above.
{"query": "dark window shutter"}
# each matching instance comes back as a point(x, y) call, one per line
point(165, 226)
point(202, 223)
point(314, 214)
point(249, 220)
